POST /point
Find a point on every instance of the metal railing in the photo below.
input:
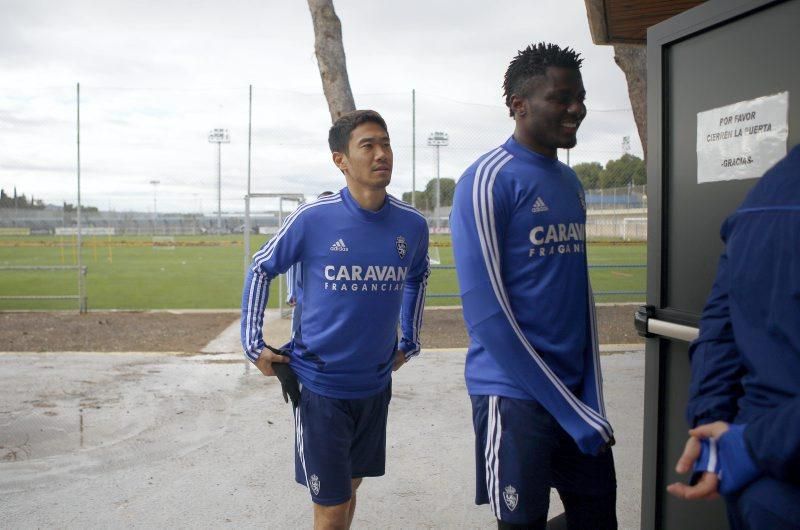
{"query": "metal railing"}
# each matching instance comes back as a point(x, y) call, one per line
point(80, 297)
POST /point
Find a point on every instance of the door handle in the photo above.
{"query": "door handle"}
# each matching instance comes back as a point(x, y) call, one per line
point(671, 330)
point(647, 326)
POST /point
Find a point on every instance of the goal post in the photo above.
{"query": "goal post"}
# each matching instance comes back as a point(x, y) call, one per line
point(292, 198)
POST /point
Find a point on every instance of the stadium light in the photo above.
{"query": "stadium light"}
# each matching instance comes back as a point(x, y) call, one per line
point(438, 139)
point(219, 137)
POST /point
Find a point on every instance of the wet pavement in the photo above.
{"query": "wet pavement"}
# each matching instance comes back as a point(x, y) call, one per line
point(150, 441)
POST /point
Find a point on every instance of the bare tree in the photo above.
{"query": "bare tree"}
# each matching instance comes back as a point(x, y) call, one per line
point(632, 59)
point(330, 57)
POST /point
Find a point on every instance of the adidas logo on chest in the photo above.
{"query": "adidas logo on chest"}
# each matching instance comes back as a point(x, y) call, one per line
point(339, 246)
point(539, 206)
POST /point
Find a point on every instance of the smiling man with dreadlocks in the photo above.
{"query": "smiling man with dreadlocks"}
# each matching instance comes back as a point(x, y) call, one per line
point(532, 369)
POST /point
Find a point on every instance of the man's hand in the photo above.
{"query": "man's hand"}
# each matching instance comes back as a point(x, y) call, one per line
point(265, 360)
point(708, 485)
point(399, 360)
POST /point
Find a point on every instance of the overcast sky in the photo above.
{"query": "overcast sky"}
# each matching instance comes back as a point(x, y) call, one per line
point(156, 76)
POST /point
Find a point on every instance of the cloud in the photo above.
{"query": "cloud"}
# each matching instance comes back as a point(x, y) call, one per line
point(157, 76)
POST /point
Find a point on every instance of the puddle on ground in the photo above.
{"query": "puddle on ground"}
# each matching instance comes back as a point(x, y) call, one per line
point(100, 402)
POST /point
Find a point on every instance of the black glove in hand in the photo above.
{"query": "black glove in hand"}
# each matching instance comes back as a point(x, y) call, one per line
point(289, 385)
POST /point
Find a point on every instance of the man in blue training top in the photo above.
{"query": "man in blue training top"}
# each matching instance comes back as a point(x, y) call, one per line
point(532, 369)
point(364, 259)
point(744, 397)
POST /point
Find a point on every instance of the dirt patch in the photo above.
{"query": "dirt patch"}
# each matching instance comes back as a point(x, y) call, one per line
point(615, 324)
point(189, 332)
point(444, 328)
point(112, 332)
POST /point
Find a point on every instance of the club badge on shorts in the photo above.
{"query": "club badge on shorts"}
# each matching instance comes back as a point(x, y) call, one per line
point(400, 245)
point(314, 483)
point(511, 497)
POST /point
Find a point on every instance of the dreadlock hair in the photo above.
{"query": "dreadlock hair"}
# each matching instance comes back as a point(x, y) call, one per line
point(533, 61)
point(339, 134)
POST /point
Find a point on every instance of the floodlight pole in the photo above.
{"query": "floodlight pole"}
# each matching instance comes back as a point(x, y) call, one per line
point(81, 287)
point(247, 197)
point(280, 283)
point(219, 188)
point(438, 189)
point(219, 137)
point(414, 147)
point(438, 139)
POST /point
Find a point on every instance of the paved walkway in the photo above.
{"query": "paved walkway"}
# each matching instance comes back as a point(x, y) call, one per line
point(150, 441)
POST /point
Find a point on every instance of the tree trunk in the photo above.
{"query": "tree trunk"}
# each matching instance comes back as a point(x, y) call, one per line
point(632, 59)
point(330, 57)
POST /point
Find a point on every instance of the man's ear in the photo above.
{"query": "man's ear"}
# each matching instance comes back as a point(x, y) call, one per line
point(519, 106)
point(340, 159)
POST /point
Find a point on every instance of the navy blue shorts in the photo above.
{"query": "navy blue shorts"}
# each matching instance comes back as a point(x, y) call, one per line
point(521, 452)
point(337, 440)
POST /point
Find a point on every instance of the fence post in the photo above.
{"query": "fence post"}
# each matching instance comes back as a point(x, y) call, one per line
point(83, 304)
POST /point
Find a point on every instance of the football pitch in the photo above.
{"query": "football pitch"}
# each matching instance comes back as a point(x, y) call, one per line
point(206, 272)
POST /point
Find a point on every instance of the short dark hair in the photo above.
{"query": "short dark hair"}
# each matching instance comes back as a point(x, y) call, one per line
point(533, 61)
point(339, 135)
point(324, 194)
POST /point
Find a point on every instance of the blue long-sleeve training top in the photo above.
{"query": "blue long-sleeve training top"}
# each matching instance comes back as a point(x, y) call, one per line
point(519, 241)
point(746, 360)
point(362, 272)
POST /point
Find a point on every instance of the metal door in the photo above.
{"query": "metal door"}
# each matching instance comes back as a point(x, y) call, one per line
point(716, 54)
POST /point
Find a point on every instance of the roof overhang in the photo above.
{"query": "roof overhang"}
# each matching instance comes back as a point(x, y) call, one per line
point(626, 21)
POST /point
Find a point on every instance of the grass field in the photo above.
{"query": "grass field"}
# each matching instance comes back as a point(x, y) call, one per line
point(205, 272)
point(622, 279)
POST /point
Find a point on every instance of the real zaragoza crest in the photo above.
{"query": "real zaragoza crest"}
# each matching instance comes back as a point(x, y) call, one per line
point(511, 497)
point(314, 483)
point(400, 244)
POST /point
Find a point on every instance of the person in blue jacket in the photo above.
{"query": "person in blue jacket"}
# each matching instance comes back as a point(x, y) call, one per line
point(364, 257)
point(744, 397)
point(533, 374)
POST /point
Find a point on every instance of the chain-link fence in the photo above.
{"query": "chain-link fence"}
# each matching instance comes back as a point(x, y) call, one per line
point(148, 166)
point(153, 181)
